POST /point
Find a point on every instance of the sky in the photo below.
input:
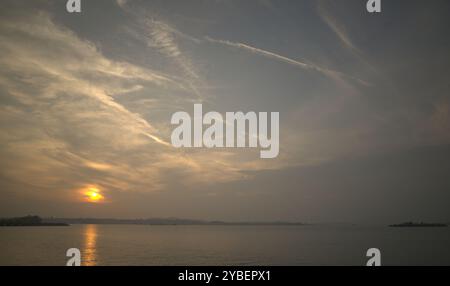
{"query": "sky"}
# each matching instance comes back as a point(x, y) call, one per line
point(364, 100)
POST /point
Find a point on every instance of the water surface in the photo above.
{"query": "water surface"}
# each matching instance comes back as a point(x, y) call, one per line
point(223, 245)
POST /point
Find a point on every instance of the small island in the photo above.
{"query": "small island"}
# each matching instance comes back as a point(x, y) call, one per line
point(28, 221)
point(418, 224)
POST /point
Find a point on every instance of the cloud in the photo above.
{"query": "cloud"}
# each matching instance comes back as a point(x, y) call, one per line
point(164, 38)
point(57, 95)
point(274, 56)
point(336, 26)
point(342, 34)
point(81, 65)
point(63, 127)
point(122, 3)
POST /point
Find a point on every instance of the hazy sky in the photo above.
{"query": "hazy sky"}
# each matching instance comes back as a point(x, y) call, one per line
point(364, 101)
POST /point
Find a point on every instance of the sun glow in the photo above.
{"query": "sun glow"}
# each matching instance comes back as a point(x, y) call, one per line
point(93, 195)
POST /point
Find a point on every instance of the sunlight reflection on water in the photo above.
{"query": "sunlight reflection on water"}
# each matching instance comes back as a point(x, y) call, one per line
point(89, 252)
point(223, 245)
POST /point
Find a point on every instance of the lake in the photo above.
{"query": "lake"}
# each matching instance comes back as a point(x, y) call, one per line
point(223, 245)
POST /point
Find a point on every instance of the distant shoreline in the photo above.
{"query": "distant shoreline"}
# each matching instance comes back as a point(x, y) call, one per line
point(157, 221)
point(34, 221)
point(34, 225)
point(37, 221)
point(420, 224)
point(28, 221)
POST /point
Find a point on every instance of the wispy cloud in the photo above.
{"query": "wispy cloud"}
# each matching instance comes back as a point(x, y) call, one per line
point(278, 57)
point(325, 12)
point(66, 128)
point(122, 3)
point(164, 38)
point(335, 25)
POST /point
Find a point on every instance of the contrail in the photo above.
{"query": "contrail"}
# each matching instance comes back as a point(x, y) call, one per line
point(284, 59)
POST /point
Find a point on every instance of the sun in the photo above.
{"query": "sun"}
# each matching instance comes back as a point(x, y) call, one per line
point(93, 195)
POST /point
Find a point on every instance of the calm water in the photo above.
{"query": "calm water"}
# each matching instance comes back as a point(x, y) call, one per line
point(223, 245)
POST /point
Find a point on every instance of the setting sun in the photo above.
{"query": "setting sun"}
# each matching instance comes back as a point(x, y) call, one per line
point(93, 195)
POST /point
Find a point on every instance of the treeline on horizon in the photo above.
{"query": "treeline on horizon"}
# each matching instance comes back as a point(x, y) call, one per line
point(28, 221)
point(159, 221)
point(33, 220)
